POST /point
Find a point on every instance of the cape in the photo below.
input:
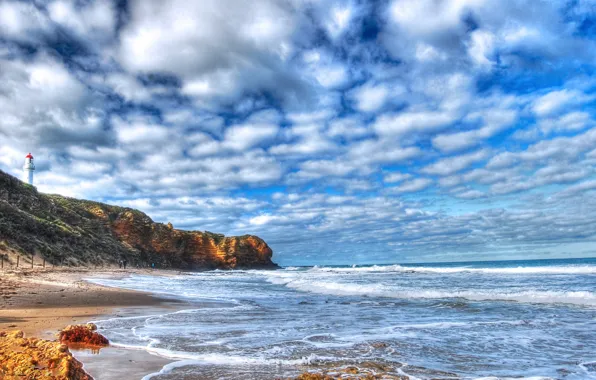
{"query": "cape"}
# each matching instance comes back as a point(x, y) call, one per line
point(74, 232)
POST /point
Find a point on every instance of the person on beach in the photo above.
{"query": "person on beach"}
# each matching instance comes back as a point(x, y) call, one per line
point(124, 263)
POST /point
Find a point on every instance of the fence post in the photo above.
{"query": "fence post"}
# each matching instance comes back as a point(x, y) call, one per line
point(18, 259)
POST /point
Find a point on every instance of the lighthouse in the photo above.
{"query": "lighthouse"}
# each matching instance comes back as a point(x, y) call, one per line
point(28, 169)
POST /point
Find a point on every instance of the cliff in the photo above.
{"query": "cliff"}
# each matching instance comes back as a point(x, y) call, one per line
point(67, 231)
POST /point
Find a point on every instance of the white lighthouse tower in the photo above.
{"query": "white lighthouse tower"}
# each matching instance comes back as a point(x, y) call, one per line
point(28, 169)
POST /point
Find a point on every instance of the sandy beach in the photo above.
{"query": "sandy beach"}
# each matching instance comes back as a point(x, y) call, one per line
point(41, 302)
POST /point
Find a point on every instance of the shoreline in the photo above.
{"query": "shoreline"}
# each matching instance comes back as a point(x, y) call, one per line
point(40, 302)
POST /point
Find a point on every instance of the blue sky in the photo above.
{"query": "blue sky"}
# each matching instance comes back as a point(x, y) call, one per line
point(339, 131)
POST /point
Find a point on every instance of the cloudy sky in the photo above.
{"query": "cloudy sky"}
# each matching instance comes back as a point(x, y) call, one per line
point(339, 131)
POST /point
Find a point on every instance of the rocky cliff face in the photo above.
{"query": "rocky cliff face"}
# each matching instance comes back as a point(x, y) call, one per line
point(70, 231)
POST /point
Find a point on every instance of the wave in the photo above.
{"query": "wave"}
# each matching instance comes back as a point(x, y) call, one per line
point(186, 359)
point(562, 269)
point(376, 290)
point(515, 378)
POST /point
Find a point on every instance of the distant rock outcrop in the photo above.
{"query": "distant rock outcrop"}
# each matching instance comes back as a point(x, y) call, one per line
point(70, 231)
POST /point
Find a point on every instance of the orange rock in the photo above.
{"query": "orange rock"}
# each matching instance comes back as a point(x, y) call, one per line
point(32, 358)
point(83, 336)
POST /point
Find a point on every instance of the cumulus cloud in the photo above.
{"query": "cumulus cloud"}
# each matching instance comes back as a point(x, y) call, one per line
point(370, 98)
point(555, 101)
point(455, 164)
point(400, 127)
point(22, 21)
point(242, 137)
point(413, 185)
point(93, 20)
point(494, 122)
point(220, 49)
point(396, 177)
point(411, 122)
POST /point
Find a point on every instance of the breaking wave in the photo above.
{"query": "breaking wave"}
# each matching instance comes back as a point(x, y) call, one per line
point(563, 269)
point(377, 290)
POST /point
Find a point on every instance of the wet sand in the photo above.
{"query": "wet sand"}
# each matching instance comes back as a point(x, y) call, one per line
point(42, 302)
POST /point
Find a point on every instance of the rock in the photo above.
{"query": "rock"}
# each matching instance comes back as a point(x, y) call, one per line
point(70, 231)
point(314, 376)
point(83, 336)
point(32, 358)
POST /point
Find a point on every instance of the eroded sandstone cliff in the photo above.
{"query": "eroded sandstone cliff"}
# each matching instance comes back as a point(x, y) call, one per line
point(67, 231)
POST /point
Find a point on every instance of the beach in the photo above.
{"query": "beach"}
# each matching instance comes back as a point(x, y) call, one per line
point(41, 302)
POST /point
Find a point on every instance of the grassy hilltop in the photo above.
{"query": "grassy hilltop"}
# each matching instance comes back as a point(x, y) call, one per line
point(80, 232)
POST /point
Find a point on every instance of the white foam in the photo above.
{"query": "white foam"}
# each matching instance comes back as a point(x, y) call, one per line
point(587, 372)
point(379, 290)
point(562, 269)
point(170, 367)
point(515, 378)
point(231, 360)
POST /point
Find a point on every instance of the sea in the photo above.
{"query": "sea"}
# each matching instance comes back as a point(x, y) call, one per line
point(531, 319)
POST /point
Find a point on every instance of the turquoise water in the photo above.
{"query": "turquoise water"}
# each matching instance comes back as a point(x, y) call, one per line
point(442, 320)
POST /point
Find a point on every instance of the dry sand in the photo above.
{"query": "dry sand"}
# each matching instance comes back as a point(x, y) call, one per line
point(40, 302)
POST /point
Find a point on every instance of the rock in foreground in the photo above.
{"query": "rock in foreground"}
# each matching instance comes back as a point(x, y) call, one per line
point(83, 336)
point(32, 358)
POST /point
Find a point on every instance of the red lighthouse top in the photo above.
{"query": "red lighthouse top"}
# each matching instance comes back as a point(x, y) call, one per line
point(29, 156)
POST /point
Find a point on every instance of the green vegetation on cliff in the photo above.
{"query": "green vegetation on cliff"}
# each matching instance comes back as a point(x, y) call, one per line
point(79, 232)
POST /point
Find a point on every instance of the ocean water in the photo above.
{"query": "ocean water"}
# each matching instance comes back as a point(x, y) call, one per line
point(529, 319)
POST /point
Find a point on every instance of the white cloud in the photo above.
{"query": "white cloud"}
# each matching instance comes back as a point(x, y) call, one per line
point(396, 177)
point(304, 146)
point(454, 164)
point(242, 137)
point(142, 134)
point(414, 185)
point(93, 20)
point(219, 48)
point(555, 101)
point(370, 98)
point(481, 47)
point(381, 151)
point(128, 87)
point(325, 69)
point(338, 20)
point(412, 122)
point(495, 121)
point(310, 170)
point(347, 128)
point(22, 21)
point(439, 19)
point(502, 160)
point(573, 121)
point(304, 139)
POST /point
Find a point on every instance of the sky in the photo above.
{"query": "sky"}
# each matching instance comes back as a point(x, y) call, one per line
point(341, 132)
